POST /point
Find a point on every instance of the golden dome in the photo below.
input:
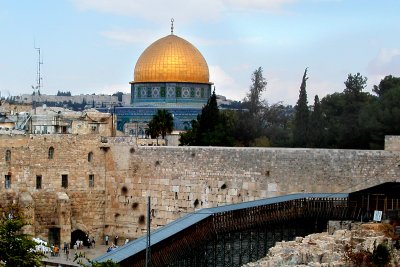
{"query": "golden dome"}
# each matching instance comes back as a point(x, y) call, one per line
point(171, 59)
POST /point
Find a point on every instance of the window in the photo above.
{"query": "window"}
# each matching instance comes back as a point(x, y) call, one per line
point(51, 152)
point(94, 128)
point(38, 182)
point(7, 181)
point(90, 156)
point(64, 180)
point(91, 180)
point(8, 156)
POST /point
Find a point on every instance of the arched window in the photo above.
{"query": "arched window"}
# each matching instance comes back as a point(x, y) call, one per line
point(8, 155)
point(90, 157)
point(51, 152)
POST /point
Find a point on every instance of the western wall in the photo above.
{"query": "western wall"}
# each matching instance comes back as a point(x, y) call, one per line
point(178, 179)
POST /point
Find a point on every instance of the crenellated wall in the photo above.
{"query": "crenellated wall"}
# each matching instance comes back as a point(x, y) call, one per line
point(178, 179)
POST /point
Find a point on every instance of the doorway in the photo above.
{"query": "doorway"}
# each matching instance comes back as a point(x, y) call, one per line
point(78, 235)
point(54, 236)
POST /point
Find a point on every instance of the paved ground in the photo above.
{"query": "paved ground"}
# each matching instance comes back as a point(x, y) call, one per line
point(91, 253)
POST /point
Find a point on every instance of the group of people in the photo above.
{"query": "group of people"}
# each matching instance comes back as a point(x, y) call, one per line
point(90, 242)
point(106, 239)
point(114, 244)
point(55, 250)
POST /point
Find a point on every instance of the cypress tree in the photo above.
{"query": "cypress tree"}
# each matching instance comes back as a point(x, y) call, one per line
point(300, 127)
point(316, 126)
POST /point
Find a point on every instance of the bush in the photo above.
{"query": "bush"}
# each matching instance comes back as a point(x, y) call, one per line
point(381, 256)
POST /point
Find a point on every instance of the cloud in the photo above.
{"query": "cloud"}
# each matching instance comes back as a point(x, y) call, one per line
point(155, 10)
point(264, 5)
point(225, 84)
point(280, 88)
point(189, 10)
point(132, 36)
point(144, 36)
point(386, 62)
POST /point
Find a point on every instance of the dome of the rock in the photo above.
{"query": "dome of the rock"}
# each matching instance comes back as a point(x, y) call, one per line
point(171, 59)
point(170, 74)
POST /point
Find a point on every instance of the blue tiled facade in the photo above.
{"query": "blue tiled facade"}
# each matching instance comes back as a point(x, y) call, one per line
point(183, 100)
point(142, 115)
point(170, 93)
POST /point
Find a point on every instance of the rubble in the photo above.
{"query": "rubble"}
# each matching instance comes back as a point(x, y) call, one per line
point(326, 250)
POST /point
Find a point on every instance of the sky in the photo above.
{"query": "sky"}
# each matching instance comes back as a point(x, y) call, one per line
point(91, 46)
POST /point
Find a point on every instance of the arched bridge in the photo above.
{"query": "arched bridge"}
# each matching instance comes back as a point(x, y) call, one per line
point(233, 235)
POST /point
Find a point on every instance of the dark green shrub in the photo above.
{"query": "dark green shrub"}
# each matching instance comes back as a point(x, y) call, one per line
point(381, 255)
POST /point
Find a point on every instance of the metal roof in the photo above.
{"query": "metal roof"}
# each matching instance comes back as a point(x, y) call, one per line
point(164, 232)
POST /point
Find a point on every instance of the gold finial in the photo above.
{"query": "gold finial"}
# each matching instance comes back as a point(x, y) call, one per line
point(172, 26)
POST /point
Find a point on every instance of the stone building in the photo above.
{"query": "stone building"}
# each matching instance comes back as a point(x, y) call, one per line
point(70, 185)
point(92, 100)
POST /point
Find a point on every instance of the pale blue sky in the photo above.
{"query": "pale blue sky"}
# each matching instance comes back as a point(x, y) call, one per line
point(91, 46)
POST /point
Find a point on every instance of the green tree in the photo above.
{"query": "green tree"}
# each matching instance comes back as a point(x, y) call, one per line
point(300, 125)
point(332, 107)
point(162, 123)
point(253, 99)
point(16, 248)
point(344, 114)
point(382, 116)
point(355, 84)
point(352, 133)
point(153, 130)
point(118, 95)
point(245, 129)
point(386, 85)
point(211, 127)
point(381, 256)
point(276, 124)
point(316, 126)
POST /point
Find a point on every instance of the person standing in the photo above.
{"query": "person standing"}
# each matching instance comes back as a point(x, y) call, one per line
point(116, 240)
point(67, 253)
point(106, 239)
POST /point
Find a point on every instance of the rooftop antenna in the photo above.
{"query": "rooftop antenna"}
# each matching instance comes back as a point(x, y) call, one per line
point(36, 89)
point(172, 26)
point(38, 73)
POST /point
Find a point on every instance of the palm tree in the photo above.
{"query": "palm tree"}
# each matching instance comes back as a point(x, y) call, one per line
point(162, 123)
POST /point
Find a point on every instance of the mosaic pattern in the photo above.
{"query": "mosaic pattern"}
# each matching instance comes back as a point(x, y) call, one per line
point(170, 92)
point(155, 92)
point(185, 92)
point(171, 59)
point(198, 92)
point(143, 92)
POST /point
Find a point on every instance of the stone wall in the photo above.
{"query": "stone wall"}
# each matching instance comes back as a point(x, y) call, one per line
point(30, 158)
point(178, 179)
point(182, 179)
point(392, 142)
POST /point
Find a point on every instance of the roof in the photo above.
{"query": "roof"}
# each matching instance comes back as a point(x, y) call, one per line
point(171, 59)
point(388, 188)
point(180, 224)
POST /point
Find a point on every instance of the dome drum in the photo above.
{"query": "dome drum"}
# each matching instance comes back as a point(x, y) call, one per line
point(190, 93)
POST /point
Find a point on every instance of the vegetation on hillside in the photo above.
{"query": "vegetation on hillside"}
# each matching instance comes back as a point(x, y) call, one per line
point(351, 119)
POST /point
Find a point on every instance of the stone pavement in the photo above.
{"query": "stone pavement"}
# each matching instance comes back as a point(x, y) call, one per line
point(91, 253)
